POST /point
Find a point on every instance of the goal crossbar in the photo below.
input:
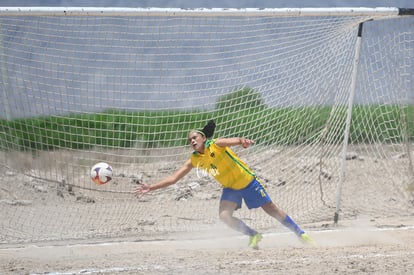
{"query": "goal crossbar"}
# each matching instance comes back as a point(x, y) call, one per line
point(270, 12)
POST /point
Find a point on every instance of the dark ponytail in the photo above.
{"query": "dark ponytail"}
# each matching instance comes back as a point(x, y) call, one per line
point(208, 130)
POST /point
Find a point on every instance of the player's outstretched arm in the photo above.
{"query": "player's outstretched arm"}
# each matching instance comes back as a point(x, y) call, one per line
point(245, 142)
point(180, 173)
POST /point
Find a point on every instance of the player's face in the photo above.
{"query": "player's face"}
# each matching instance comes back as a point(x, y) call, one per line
point(196, 141)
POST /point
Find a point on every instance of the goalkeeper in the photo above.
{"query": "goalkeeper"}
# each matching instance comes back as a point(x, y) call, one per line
point(238, 181)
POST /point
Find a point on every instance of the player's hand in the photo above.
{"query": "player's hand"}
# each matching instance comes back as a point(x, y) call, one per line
point(245, 142)
point(141, 189)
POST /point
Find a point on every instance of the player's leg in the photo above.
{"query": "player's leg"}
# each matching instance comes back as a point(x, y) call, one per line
point(273, 210)
point(226, 215)
point(230, 201)
point(226, 210)
point(255, 195)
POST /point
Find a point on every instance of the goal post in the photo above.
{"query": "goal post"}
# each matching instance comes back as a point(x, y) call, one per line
point(326, 93)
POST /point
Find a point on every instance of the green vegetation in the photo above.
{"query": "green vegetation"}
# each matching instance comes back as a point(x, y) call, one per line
point(246, 116)
point(243, 99)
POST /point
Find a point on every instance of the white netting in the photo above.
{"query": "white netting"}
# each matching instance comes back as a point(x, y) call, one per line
point(126, 90)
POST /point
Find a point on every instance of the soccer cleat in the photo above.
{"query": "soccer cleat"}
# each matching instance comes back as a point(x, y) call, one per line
point(306, 239)
point(254, 241)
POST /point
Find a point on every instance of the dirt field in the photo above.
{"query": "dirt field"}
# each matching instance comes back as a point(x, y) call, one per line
point(360, 247)
point(361, 244)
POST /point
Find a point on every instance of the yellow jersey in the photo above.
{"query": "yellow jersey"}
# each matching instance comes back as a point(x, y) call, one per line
point(224, 165)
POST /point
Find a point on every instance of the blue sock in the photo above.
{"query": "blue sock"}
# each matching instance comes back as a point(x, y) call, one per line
point(243, 228)
point(289, 223)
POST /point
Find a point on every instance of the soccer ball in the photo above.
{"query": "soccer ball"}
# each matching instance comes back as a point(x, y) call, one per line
point(101, 173)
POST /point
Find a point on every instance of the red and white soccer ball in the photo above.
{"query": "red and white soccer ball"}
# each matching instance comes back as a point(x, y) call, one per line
point(101, 173)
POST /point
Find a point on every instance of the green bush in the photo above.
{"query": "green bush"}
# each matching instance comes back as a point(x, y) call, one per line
point(284, 126)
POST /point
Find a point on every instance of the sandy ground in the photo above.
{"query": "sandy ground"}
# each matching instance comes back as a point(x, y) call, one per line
point(379, 242)
point(351, 250)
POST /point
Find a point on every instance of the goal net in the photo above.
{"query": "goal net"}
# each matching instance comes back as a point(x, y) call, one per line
point(327, 95)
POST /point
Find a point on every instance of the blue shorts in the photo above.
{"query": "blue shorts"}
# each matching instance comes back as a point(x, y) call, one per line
point(254, 195)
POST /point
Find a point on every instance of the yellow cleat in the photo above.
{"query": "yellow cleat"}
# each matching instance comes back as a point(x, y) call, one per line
point(254, 241)
point(306, 239)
